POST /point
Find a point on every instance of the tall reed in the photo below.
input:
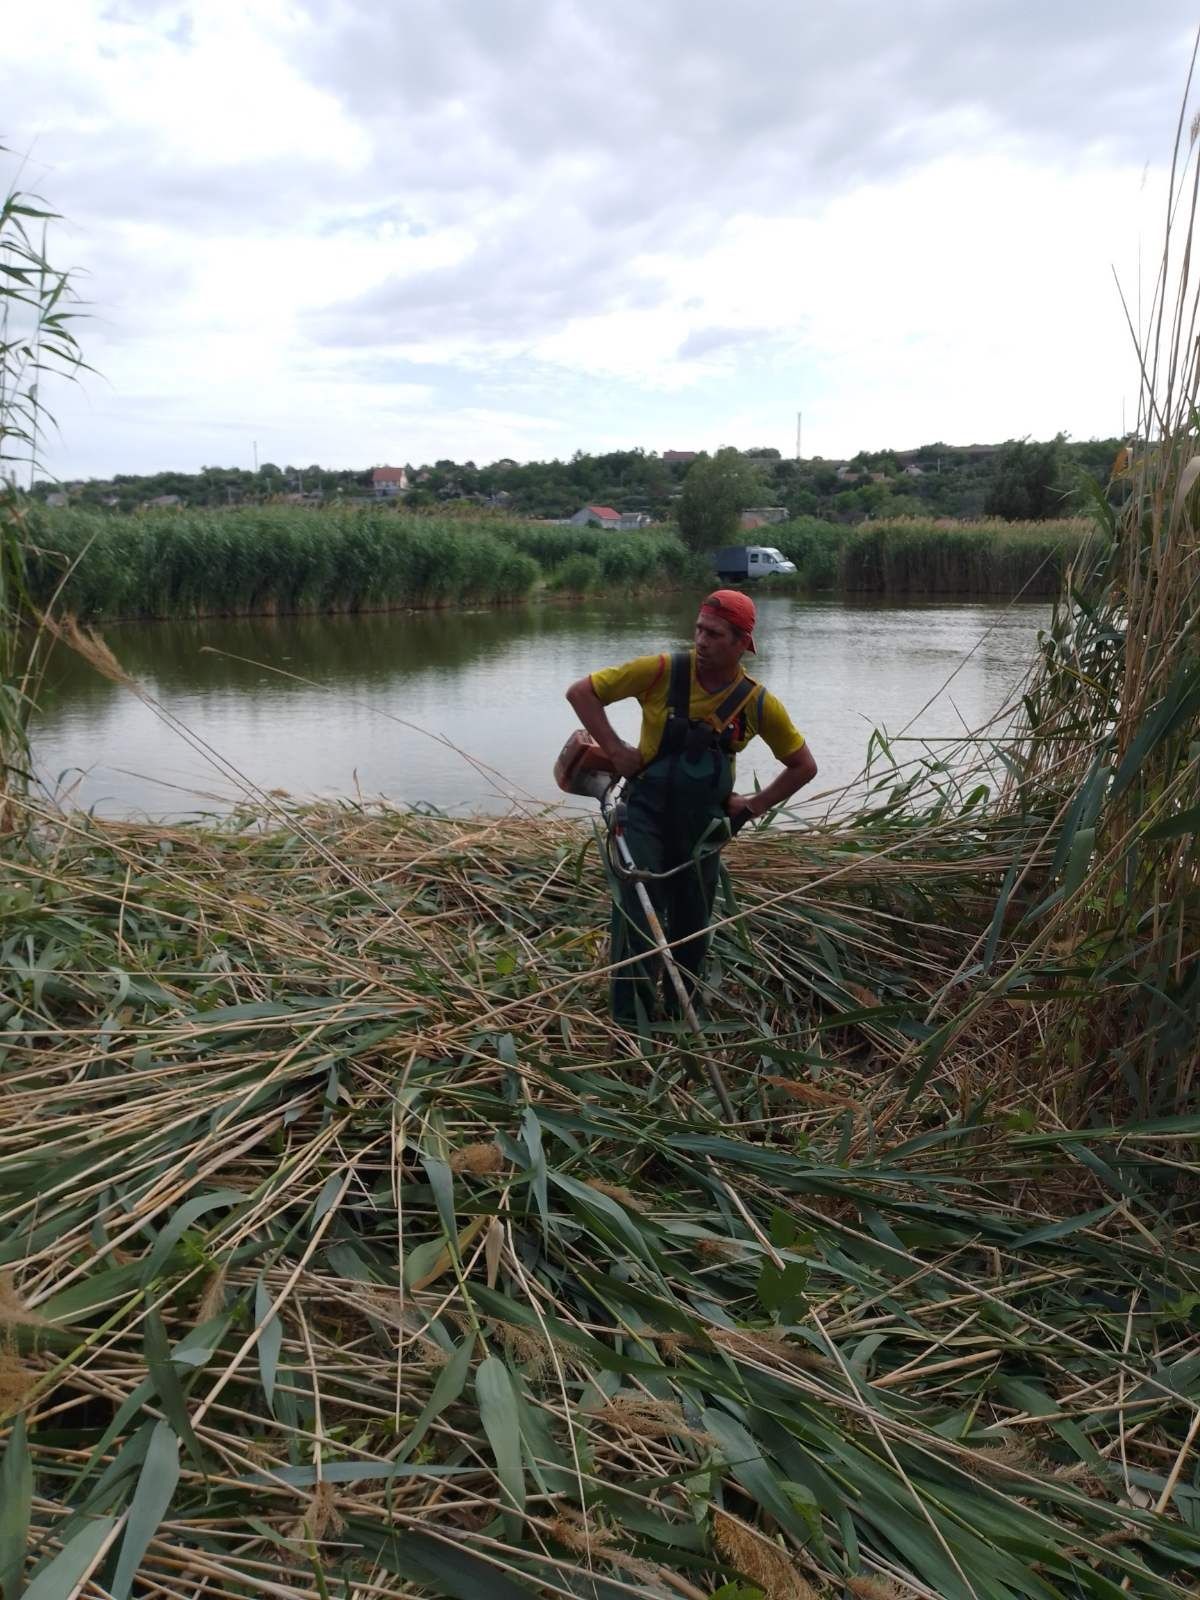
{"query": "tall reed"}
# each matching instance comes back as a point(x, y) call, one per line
point(36, 342)
point(1114, 731)
point(270, 559)
point(173, 563)
point(905, 556)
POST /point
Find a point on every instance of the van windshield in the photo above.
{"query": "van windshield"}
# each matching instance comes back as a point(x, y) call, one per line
point(770, 551)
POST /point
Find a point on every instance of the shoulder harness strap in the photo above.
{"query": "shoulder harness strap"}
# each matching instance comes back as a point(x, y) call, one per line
point(740, 695)
point(679, 688)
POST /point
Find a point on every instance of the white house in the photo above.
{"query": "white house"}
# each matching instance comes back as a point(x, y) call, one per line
point(604, 515)
point(387, 482)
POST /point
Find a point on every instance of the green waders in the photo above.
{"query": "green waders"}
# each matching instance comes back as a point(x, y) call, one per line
point(674, 818)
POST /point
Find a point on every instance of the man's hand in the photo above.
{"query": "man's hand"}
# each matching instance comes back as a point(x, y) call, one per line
point(742, 807)
point(626, 760)
point(582, 699)
point(798, 769)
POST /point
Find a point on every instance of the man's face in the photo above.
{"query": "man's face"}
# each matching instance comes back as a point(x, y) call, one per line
point(719, 646)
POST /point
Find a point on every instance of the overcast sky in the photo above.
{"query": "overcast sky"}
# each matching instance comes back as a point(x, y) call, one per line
point(363, 231)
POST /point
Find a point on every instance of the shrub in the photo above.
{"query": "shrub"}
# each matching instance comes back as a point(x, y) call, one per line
point(577, 575)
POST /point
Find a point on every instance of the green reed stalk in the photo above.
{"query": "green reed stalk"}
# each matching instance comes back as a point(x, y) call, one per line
point(35, 341)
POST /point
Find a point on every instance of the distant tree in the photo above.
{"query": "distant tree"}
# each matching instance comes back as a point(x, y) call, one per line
point(716, 491)
point(1029, 482)
point(802, 503)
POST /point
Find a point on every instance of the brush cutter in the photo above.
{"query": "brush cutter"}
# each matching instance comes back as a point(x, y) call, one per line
point(582, 768)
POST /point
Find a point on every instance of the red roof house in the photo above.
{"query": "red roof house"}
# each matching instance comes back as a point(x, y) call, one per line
point(388, 481)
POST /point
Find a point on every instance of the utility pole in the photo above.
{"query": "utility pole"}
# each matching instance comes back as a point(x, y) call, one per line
point(799, 420)
point(256, 458)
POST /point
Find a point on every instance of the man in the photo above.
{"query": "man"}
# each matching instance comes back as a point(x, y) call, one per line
point(699, 708)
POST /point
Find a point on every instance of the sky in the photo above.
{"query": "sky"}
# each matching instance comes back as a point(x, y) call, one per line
point(383, 231)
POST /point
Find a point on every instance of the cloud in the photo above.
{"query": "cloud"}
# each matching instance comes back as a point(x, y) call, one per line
point(707, 341)
point(499, 290)
point(594, 139)
point(712, 102)
point(630, 221)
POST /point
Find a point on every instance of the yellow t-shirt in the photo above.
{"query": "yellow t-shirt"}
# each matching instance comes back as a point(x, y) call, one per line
point(647, 679)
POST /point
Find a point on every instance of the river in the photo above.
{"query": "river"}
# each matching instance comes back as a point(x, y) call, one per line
point(464, 711)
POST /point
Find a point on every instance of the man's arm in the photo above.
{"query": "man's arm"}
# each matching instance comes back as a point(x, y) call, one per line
point(589, 708)
point(798, 769)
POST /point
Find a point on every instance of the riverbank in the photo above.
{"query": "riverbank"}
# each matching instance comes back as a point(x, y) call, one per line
point(293, 561)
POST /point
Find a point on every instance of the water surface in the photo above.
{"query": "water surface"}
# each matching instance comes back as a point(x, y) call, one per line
point(372, 700)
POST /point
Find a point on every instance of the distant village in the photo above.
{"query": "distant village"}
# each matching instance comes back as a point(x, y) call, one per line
point(614, 490)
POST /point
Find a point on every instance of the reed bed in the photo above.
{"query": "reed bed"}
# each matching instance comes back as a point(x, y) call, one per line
point(289, 560)
point(912, 555)
point(295, 560)
point(579, 560)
